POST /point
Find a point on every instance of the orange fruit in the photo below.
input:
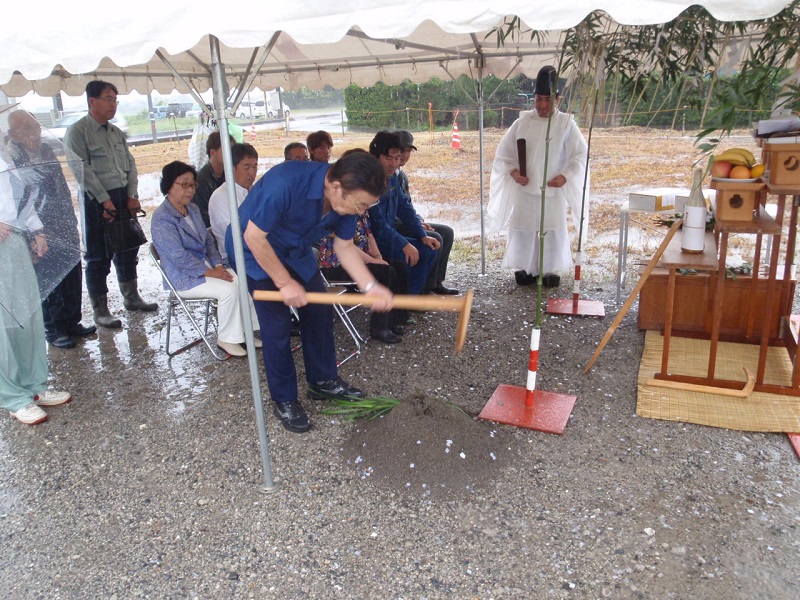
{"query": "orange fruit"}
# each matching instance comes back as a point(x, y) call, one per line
point(739, 172)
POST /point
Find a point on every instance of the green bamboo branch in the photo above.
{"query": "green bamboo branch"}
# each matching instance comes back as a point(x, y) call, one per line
point(553, 83)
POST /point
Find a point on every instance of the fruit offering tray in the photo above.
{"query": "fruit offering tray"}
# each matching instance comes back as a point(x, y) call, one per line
point(732, 180)
point(736, 164)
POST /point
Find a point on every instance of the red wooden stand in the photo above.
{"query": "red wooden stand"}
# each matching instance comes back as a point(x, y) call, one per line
point(581, 308)
point(549, 411)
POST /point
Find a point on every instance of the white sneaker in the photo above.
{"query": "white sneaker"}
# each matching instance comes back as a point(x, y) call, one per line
point(51, 398)
point(30, 414)
point(232, 349)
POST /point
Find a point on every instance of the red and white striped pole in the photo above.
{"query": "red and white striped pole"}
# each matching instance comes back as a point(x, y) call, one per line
point(252, 131)
point(576, 286)
point(533, 367)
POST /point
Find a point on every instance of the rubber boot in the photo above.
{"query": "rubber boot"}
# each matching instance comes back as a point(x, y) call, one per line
point(131, 298)
point(101, 315)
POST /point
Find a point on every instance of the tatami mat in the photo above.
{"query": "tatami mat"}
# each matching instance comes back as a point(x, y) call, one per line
point(757, 412)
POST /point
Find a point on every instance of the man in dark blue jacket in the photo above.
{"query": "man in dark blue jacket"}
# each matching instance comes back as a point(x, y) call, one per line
point(287, 211)
point(417, 250)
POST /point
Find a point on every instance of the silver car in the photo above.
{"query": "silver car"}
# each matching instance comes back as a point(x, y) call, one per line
point(59, 128)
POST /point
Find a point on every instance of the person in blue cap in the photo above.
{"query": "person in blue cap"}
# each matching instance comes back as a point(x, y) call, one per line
point(515, 199)
point(289, 209)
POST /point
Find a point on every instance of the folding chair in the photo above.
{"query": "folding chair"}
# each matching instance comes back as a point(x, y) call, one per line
point(173, 301)
point(345, 287)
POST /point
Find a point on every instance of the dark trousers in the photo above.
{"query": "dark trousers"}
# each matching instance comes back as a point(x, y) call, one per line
point(387, 276)
point(316, 334)
point(98, 260)
point(445, 235)
point(62, 308)
point(418, 274)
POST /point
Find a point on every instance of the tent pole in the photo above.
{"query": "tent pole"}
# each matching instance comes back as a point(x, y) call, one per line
point(480, 62)
point(220, 93)
point(481, 164)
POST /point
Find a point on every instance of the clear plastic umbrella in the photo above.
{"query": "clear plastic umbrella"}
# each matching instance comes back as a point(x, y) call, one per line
point(39, 235)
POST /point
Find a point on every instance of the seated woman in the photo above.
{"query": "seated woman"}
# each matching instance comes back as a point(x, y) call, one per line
point(384, 326)
point(190, 257)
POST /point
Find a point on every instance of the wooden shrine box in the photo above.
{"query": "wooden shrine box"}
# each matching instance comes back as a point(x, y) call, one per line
point(737, 200)
point(783, 163)
point(693, 305)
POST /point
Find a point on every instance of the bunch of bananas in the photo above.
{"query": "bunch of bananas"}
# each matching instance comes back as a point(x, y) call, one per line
point(737, 157)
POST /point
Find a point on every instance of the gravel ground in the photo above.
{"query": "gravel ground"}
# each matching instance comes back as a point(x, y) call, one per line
point(148, 485)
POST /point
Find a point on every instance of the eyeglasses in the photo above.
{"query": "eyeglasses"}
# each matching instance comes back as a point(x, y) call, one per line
point(187, 186)
point(358, 211)
point(361, 210)
point(109, 99)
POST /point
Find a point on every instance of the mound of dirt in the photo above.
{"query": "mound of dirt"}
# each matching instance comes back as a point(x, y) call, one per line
point(425, 446)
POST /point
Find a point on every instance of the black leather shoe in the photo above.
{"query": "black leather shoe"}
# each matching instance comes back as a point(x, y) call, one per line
point(398, 329)
point(443, 290)
point(295, 326)
point(551, 280)
point(333, 389)
point(524, 278)
point(63, 341)
point(292, 415)
point(387, 336)
point(80, 330)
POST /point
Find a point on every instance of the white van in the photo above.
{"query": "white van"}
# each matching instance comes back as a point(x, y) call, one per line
point(250, 110)
point(274, 105)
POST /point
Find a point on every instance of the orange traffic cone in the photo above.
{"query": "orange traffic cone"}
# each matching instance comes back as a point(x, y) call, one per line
point(455, 142)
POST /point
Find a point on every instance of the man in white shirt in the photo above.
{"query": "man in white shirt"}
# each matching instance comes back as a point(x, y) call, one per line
point(245, 166)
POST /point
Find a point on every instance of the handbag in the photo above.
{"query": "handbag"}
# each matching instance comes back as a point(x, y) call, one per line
point(124, 232)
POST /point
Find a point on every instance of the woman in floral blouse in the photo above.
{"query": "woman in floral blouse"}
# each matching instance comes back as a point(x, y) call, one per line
point(383, 326)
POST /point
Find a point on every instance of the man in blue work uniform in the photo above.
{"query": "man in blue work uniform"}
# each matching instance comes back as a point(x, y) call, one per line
point(418, 250)
point(287, 211)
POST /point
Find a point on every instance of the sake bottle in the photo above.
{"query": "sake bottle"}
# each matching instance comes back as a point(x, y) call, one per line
point(694, 218)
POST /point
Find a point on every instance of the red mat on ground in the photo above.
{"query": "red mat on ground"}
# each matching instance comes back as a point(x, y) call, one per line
point(550, 412)
point(568, 306)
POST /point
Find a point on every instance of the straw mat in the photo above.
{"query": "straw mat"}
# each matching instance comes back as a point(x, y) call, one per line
point(757, 412)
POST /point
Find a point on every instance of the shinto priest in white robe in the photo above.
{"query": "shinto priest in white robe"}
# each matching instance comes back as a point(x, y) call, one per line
point(517, 208)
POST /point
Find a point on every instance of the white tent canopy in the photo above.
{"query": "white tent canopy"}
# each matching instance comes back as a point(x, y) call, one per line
point(281, 61)
point(297, 44)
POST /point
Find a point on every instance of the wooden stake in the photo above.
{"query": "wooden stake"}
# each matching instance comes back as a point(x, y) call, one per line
point(640, 284)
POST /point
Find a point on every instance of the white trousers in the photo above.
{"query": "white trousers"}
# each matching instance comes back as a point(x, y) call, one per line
point(229, 309)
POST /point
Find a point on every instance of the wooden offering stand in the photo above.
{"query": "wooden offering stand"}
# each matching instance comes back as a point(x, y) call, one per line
point(766, 305)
